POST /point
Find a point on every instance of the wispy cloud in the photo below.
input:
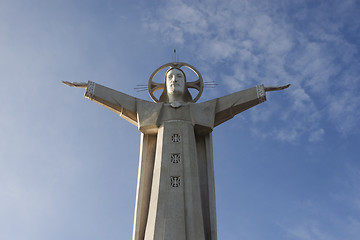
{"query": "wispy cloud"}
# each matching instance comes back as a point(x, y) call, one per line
point(252, 42)
point(308, 231)
point(317, 221)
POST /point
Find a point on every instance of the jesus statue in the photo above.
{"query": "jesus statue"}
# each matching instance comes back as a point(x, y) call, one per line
point(175, 191)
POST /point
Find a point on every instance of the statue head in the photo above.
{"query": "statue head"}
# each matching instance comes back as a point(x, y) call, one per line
point(175, 86)
point(175, 82)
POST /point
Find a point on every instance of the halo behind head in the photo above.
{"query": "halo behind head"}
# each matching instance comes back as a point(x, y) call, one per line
point(198, 84)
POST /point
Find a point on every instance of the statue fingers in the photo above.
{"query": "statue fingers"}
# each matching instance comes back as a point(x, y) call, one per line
point(276, 88)
point(286, 86)
point(67, 83)
point(75, 84)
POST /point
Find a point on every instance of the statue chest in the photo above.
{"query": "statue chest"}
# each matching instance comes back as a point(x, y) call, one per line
point(150, 118)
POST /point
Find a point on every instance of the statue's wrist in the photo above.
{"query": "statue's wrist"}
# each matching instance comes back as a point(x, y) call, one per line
point(261, 93)
point(90, 90)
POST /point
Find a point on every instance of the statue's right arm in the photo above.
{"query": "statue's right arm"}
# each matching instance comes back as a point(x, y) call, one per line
point(118, 102)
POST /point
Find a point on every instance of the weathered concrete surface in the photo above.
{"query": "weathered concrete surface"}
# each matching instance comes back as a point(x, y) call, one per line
point(187, 211)
point(176, 191)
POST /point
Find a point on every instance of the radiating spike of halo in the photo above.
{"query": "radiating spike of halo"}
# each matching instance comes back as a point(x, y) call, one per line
point(141, 90)
point(156, 86)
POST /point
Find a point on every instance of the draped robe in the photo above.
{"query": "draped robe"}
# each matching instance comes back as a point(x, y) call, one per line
point(175, 191)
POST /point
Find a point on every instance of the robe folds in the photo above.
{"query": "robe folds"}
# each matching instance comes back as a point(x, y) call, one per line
point(176, 191)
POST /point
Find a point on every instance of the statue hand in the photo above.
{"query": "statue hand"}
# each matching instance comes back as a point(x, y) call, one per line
point(276, 88)
point(75, 84)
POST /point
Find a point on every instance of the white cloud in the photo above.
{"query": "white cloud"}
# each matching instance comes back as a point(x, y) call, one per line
point(316, 135)
point(309, 231)
point(217, 50)
point(288, 134)
point(344, 110)
point(257, 43)
point(318, 221)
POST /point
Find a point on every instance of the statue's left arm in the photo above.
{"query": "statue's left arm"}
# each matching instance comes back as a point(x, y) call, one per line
point(229, 106)
point(116, 101)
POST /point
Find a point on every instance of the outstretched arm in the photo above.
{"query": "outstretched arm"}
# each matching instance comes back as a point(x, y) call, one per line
point(118, 102)
point(229, 106)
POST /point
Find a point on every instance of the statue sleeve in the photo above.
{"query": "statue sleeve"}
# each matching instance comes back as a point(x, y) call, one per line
point(118, 102)
point(228, 106)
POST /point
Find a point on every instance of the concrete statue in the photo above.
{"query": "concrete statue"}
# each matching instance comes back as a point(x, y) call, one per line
point(175, 191)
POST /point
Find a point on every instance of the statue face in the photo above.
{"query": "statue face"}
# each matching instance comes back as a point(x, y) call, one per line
point(175, 82)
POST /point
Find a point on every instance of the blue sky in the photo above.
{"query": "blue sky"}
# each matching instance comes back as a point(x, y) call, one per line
point(286, 169)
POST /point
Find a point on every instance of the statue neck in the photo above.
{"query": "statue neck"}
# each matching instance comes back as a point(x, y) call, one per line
point(175, 98)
